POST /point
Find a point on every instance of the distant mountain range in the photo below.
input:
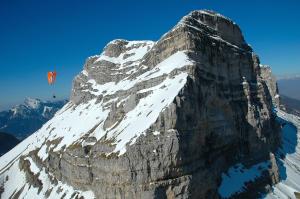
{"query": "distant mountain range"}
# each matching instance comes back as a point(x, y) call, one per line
point(291, 105)
point(293, 76)
point(24, 119)
point(289, 89)
point(289, 86)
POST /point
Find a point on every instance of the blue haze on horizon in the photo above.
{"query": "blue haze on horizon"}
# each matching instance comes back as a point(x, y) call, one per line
point(38, 36)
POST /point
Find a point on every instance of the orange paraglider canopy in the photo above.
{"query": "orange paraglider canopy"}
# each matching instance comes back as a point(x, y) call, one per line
point(51, 77)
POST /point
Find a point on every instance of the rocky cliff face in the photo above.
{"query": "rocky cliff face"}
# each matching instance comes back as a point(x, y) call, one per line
point(155, 119)
point(271, 82)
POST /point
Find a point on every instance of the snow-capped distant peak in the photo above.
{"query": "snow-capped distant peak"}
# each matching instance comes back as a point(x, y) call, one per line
point(23, 119)
point(32, 103)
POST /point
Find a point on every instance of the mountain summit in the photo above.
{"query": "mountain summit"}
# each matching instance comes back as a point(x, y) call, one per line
point(157, 119)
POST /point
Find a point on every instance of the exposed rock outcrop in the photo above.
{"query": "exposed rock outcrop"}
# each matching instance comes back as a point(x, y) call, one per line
point(164, 119)
point(270, 79)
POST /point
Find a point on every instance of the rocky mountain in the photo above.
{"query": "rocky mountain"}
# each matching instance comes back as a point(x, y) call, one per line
point(175, 118)
point(7, 142)
point(24, 119)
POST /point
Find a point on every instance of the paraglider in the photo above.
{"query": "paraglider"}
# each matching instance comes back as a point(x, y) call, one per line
point(51, 79)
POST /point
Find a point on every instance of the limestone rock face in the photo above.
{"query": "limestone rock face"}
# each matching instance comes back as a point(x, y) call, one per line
point(270, 79)
point(158, 119)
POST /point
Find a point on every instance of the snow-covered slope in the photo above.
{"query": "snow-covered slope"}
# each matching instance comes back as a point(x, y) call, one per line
point(26, 118)
point(235, 180)
point(288, 158)
point(67, 124)
point(151, 120)
point(73, 122)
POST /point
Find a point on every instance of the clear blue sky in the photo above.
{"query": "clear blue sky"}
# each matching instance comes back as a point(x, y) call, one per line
point(38, 35)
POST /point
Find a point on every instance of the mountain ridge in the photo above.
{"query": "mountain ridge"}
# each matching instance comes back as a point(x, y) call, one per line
point(289, 87)
point(291, 105)
point(158, 119)
point(23, 119)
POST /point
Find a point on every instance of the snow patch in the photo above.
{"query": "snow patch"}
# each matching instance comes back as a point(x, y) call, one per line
point(234, 181)
point(289, 165)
